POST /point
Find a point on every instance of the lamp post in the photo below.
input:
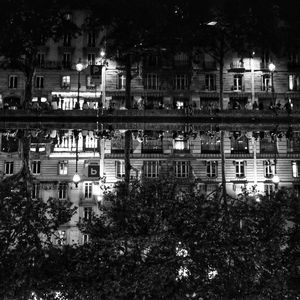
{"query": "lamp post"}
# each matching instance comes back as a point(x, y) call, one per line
point(275, 177)
point(76, 177)
point(272, 68)
point(79, 68)
point(103, 79)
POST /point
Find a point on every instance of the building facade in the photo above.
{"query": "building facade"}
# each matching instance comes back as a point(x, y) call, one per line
point(159, 82)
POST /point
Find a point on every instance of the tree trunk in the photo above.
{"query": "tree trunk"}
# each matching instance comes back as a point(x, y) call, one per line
point(29, 73)
point(224, 191)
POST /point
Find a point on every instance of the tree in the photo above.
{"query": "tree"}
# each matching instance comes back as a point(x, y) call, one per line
point(26, 228)
point(166, 242)
point(25, 26)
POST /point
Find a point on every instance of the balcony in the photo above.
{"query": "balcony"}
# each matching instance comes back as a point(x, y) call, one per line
point(237, 66)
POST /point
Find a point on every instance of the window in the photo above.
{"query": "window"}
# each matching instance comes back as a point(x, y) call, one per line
point(210, 143)
point(36, 167)
point(239, 143)
point(120, 168)
point(63, 168)
point(237, 82)
point(152, 60)
point(180, 144)
point(88, 190)
point(269, 188)
point(40, 57)
point(210, 82)
point(39, 82)
point(9, 167)
point(91, 39)
point(180, 82)
point(91, 58)
point(294, 82)
point(151, 81)
point(85, 238)
point(181, 169)
point(90, 84)
point(269, 169)
point(66, 60)
point(67, 40)
point(35, 190)
point(87, 213)
point(121, 81)
point(13, 81)
point(151, 169)
point(212, 169)
point(66, 82)
point(266, 82)
point(90, 143)
point(267, 145)
point(240, 169)
point(296, 168)
point(62, 191)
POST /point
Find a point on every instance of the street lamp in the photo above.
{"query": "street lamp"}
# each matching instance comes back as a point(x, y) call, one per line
point(79, 68)
point(275, 177)
point(76, 177)
point(272, 68)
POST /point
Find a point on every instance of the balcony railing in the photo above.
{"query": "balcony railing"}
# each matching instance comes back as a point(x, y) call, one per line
point(237, 65)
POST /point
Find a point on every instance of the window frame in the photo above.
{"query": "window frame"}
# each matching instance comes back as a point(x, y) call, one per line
point(238, 82)
point(13, 81)
point(210, 82)
point(182, 168)
point(39, 81)
point(88, 190)
point(119, 169)
point(62, 191)
point(9, 168)
point(240, 169)
point(151, 168)
point(212, 169)
point(36, 167)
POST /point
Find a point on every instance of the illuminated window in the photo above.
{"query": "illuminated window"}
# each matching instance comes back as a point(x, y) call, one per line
point(151, 81)
point(210, 82)
point(266, 82)
point(181, 82)
point(240, 169)
point(269, 168)
point(66, 82)
point(121, 81)
point(151, 169)
point(90, 143)
point(12, 81)
point(180, 144)
point(36, 167)
point(62, 191)
point(120, 168)
point(212, 169)
point(9, 168)
point(296, 168)
point(182, 169)
point(61, 237)
point(35, 190)
point(294, 82)
point(39, 82)
point(90, 83)
point(88, 190)
point(238, 82)
point(87, 213)
point(91, 58)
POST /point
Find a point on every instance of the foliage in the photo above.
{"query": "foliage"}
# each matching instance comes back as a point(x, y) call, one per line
point(27, 25)
point(162, 241)
point(26, 226)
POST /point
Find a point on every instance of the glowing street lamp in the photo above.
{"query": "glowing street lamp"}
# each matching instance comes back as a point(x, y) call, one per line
point(76, 177)
point(79, 68)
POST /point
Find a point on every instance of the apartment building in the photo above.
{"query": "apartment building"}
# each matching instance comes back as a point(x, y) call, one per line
point(159, 81)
